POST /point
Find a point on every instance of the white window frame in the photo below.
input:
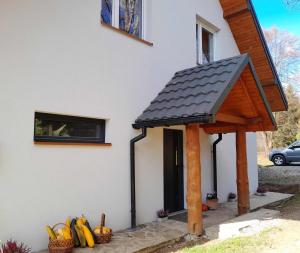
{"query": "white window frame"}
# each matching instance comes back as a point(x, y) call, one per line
point(115, 15)
point(202, 23)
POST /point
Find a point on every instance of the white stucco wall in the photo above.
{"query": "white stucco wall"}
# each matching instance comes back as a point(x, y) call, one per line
point(56, 57)
point(226, 160)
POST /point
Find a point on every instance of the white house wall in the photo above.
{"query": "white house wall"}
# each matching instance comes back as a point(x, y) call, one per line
point(56, 57)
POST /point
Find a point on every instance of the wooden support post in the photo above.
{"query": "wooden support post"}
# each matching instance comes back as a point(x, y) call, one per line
point(242, 173)
point(194, 196)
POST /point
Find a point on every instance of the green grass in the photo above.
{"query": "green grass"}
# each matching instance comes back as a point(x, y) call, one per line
point(294, 201)
point(250, 244)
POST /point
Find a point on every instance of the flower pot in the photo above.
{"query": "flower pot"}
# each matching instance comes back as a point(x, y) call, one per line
point(231, 200)
point(261, 194)
point(162, 219)
point(212, 203)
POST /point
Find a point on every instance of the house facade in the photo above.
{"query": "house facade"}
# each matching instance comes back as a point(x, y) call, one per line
point(73, 61)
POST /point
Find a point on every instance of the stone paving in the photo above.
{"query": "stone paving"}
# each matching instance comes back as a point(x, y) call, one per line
point(149, 237)
point(262, 201)
point(244, 225)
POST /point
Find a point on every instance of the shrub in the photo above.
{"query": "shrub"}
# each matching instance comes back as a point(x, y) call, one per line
point(14, 247)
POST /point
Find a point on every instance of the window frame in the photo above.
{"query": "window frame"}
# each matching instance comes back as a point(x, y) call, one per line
point(199, 50)
point(75, 140)
point(116, 21)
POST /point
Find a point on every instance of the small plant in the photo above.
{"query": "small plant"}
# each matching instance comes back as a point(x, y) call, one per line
point(162, 213)
point(14, 247)
point(261, 190)
point(232, 195)
point(211, 196)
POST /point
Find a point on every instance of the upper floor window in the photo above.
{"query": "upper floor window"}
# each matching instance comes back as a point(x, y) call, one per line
point(127, 15)
point(205, 43)
point(106, 11)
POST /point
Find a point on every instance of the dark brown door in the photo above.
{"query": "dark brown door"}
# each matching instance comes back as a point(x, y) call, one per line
point(173, 170)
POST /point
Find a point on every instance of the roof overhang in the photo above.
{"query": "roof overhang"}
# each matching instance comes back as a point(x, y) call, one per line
point(244, 24)
point(222, 97)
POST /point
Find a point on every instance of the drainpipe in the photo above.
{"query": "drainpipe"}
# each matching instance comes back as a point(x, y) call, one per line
point(132, 174)
point(215, 162)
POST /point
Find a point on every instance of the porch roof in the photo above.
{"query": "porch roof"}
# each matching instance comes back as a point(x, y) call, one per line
point(227, 92)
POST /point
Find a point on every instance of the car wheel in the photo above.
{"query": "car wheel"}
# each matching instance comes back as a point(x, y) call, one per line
point(278, 160)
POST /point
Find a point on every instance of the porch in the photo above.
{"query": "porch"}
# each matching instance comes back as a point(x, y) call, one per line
point(221, 97)
point(153, 236)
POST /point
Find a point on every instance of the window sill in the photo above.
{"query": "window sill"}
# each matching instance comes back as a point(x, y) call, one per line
point(69, 143)
point(150, 44)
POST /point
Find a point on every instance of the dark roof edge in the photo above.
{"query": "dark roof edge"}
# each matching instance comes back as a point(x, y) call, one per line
point(265, 46)
point(234, 78)
point(261, 91)
point(205, 118)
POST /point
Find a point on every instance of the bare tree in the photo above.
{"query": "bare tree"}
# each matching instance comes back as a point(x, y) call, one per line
point(285, 50)
point(292, 3)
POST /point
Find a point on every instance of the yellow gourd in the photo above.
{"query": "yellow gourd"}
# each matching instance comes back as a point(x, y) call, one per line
point(66, 233)
point(81, 236)
point(68, 222)
point(51, 233)
point(105, 230)
point(83, 219)
point(88, 236)
point(79, 222)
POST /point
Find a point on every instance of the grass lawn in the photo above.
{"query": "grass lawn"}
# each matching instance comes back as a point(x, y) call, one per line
point(251, 244)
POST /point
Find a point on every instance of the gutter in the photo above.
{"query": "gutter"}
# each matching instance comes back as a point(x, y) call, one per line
point(215, 162)
point(132, 174)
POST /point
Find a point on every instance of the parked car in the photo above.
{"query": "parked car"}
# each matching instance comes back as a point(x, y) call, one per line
point(287, 155)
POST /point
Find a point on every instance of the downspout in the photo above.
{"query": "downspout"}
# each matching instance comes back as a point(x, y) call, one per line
point(215, 162)
point(132, 174)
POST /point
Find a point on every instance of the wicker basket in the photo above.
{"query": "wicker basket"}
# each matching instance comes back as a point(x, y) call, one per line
point(60, 246)
point(103, 238)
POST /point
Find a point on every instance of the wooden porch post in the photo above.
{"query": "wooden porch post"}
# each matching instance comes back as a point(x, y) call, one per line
point(194, 196)
point(242, 173)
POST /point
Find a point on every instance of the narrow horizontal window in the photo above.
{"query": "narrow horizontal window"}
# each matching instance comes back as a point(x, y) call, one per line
point(62, 128)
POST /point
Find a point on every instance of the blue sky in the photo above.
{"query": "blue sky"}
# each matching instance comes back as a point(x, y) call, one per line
point(275, 13)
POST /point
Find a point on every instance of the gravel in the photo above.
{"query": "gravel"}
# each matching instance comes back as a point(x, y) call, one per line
point(279, 175)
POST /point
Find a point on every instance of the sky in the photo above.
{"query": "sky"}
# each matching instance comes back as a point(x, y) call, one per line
point(276, 13)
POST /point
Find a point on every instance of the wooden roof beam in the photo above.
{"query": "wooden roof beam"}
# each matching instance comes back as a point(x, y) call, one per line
point(235, 12)
point(233, 8)
point(229, 118)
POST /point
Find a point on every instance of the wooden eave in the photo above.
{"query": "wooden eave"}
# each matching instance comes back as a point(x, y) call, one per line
point(243, 108)
point(249, 37)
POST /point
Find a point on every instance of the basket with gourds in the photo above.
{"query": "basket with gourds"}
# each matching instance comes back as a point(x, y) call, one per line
point(103, 234)
point(77, 233)
point(60, 239)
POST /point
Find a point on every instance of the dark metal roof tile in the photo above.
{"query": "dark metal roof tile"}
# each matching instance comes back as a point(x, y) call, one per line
point(194, 92)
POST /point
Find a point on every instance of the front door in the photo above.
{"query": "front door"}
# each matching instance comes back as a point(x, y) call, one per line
point(173, 170)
